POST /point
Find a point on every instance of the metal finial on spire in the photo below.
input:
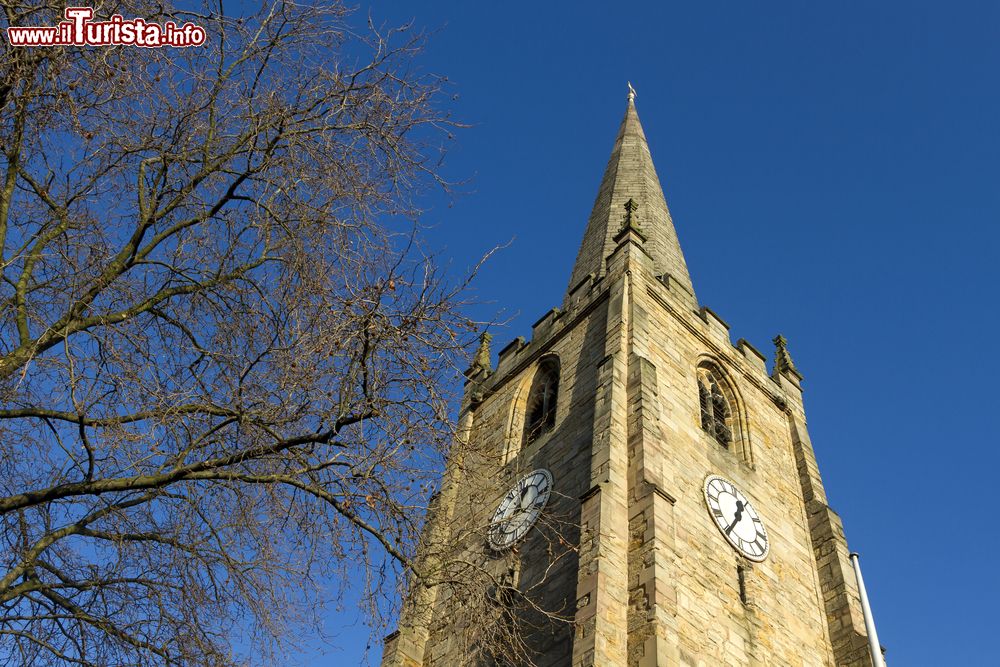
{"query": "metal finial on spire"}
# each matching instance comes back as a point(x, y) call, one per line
point(631, 92)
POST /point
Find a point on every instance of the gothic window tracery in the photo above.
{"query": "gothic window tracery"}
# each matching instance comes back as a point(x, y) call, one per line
point(540, 411)
point(716, 413)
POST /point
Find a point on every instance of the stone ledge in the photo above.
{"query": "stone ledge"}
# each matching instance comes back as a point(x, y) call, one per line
point(543, 325)
point(716, 324)
point(752, 354)
point(509, 352)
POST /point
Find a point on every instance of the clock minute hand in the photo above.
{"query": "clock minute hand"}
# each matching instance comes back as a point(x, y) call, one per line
point(524, 496)
point(736, 519)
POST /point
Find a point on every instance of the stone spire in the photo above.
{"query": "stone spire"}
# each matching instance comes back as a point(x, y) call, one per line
point(630, 178)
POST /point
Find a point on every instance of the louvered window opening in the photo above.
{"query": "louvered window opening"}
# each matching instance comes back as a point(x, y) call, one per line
point(541, 408)
point(715, 411)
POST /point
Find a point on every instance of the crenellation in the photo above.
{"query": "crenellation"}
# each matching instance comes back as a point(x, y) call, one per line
point(790, 387)
point(652, 399)
point(507, 355)
point(543, 326)
point(574, 293)
point(753, 355)
point(677, 287)
point(716, 325)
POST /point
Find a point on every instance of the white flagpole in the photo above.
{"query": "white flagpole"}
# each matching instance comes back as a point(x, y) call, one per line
point(873, 645)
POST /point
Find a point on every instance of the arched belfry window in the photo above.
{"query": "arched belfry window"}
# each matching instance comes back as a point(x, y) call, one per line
point(717, 415)
point(540, 410)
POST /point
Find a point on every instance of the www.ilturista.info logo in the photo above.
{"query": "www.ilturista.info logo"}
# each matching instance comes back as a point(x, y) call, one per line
point(79, 30)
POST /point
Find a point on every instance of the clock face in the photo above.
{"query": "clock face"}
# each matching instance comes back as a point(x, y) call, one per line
point(519, 509)
point(736, 518)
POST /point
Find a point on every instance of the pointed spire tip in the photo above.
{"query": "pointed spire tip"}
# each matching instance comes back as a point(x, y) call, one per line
point(630, 174)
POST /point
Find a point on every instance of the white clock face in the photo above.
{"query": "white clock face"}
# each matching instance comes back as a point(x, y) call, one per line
point(520, 508)
point(736, 518)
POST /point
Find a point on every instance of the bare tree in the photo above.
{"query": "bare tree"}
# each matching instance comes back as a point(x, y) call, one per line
point(222, 347)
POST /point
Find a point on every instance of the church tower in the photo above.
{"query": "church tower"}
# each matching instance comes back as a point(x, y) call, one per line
point(635, 489)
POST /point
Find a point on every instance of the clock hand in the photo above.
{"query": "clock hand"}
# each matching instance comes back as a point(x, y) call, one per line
point(736, 519)
point(524, 496)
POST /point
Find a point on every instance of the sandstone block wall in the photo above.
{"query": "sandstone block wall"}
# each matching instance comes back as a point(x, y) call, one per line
point(627, 553)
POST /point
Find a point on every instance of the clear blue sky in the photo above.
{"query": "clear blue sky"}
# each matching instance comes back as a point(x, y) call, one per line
point(832, 169)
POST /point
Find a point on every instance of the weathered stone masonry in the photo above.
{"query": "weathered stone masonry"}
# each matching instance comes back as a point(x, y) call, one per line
point(650, 580)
